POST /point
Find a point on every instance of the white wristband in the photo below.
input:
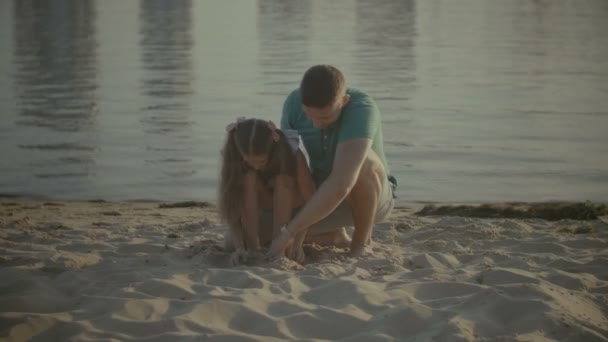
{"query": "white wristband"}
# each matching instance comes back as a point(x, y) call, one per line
point(284, 230)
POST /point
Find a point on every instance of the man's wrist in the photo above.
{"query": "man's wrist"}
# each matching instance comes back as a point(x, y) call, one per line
point(285, 229)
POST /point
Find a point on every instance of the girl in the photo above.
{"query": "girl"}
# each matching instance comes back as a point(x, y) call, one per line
point(264, 177)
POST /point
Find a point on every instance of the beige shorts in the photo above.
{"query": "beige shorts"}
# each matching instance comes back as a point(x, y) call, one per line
point(342, 216)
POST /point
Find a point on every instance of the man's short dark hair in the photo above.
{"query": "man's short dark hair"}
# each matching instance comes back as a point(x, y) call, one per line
point(321, 85)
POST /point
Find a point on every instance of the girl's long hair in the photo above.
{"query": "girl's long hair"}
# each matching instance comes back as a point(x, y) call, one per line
point(249, 137)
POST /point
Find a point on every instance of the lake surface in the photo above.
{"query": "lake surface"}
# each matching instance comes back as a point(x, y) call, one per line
point(482, 100)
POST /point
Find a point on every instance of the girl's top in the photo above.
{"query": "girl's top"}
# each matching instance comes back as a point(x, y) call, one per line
point(295, 142)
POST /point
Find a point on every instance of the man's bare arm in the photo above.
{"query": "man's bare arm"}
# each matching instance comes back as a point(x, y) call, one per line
point(350, 156)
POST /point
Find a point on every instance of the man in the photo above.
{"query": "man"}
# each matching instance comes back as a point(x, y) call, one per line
point(342, 131)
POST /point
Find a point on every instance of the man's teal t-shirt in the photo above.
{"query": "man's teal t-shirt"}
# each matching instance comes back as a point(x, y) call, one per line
point(360, 118)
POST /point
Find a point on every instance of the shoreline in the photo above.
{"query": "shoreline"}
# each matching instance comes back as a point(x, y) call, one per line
point(549, 210)
point(398, 202)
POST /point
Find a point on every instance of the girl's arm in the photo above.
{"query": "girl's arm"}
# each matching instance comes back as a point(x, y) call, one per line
point(289, 194)
point(284, 187)
point(249, 217)
point(236, 234)
point(306, 186)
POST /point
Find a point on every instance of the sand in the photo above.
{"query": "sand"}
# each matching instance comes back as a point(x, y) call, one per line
point(86, 271)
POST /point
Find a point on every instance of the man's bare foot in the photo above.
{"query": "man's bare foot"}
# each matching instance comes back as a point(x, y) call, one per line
point(338, 238)
point(341, 238)
point(361, 251)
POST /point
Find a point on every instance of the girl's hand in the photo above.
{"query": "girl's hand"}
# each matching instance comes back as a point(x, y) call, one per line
point(238, 257)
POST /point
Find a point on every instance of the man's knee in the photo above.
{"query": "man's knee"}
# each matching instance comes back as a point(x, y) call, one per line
point(369, 181)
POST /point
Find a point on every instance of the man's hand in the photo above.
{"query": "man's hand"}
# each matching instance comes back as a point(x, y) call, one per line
point(296, 253)
point(280, 243)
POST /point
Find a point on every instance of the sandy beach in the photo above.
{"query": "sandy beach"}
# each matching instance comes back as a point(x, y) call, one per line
point(86, 271)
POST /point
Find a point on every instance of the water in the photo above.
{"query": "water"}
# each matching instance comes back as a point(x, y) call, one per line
point(482, 100)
